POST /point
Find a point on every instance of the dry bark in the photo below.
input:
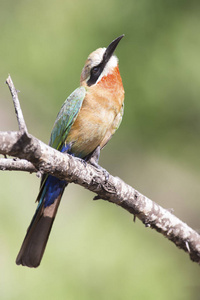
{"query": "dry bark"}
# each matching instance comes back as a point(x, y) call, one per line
point(32, 155)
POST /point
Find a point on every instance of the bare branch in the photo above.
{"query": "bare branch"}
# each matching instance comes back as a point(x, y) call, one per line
point(18, 111)
point(113, 189)
point(15, 164)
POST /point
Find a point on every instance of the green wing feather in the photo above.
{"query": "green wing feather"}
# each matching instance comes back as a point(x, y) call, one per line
point(66, 118)
point(64, 121)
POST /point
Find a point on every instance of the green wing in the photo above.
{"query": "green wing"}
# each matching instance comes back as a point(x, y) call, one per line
point(64, 121)
point(66, 118)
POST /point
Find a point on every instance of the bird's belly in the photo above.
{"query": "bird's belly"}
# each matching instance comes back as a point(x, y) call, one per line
point(88, 131)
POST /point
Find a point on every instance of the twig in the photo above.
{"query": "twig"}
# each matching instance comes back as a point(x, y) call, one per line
point(113, 189)
point(9, 164)
point(18, 111)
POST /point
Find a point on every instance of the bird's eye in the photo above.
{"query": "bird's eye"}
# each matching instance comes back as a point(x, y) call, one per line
point(95, 70)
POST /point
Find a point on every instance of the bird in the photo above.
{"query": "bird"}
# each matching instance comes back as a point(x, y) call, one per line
point(85, 123)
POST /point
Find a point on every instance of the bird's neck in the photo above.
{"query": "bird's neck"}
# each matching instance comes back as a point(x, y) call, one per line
point(111, 87)
point(108, 92)
point(111, 81)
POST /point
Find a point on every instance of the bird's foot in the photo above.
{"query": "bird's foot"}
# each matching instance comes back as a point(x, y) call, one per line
point(94, 159)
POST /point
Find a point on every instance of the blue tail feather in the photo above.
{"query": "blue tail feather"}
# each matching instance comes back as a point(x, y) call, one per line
point(52, 189)
point(35, 241)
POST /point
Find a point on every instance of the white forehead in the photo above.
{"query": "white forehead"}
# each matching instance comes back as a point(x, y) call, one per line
point(96, 57)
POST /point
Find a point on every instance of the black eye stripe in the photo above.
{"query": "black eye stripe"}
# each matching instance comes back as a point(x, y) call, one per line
point(95, 73)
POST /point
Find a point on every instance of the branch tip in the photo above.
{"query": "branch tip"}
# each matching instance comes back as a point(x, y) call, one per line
point(14, 93)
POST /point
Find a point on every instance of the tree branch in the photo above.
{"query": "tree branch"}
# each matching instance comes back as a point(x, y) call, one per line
point(16, 164)
point(18, 111)
point(35, 156)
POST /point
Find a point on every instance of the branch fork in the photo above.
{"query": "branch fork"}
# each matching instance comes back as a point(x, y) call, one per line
point(32, 155)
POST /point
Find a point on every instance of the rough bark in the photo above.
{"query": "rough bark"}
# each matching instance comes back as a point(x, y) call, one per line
point(32, 155)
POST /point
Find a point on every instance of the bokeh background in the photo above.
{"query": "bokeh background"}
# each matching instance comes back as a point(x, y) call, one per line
point(95, 250)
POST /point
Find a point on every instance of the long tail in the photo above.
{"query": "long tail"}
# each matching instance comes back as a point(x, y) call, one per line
point(35, 241)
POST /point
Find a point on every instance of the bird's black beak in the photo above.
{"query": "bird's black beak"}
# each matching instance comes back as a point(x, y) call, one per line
point(111, 48)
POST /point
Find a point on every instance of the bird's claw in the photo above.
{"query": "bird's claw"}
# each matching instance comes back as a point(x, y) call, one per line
point(93, 159)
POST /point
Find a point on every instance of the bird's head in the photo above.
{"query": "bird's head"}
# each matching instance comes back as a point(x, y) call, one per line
point(100, 63)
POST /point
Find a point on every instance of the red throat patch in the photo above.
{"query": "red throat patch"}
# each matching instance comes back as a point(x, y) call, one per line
point(112, 80)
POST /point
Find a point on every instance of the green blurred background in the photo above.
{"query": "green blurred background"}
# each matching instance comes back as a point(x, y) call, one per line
point(95, 250)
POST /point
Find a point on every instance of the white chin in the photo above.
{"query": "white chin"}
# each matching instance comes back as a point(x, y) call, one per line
point(111, 64)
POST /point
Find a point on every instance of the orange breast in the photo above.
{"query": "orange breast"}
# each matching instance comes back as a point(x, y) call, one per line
point(97, 115)
point(112, 81)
